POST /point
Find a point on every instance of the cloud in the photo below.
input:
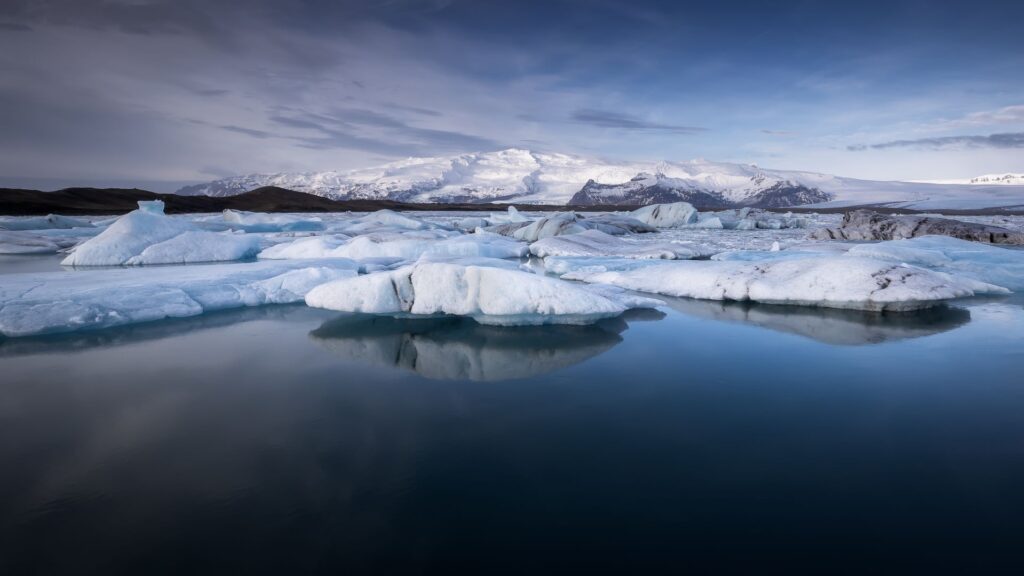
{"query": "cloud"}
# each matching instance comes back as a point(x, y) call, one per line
point(622, 121)
point(1005, 115)
point(1002, 141)
point(357, 128)
point(779, 132)
point(14, 27)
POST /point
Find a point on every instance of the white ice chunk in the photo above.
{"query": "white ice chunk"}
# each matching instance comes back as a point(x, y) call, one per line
point(666, 215)
point(145, 236)
point(37, 303)
point(489, 295)
point(597, 243)
point(835, 282)
point(512, 215)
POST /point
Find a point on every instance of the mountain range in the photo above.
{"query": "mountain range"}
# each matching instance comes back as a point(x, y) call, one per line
point(528, 177)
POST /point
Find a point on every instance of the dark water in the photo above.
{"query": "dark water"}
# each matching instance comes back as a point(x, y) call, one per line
point(706, 438)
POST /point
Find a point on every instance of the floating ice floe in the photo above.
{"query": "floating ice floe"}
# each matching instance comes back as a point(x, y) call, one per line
point(262, 222)
point(666, 215)
point(38, 303)
point(48, 222)
point(983, 262)
point(147, 236)
point(834, 282)
point(383, 220)
point(26, 243)
point(596, 243)
point(490, 295)
point(400, 247)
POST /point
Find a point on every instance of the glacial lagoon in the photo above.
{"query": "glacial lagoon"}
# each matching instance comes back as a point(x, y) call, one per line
point(701, 434)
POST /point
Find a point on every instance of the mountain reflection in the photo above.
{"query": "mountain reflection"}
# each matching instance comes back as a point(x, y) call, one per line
point(453, 348)
point(829, 325)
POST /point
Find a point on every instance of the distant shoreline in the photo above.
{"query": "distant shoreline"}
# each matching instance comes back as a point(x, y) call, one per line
point(113, 201)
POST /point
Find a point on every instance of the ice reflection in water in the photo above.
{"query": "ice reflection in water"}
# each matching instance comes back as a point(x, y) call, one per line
point(829, 325)
point(452, 348)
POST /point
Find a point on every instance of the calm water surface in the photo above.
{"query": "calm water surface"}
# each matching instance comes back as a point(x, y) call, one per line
point(703, 438)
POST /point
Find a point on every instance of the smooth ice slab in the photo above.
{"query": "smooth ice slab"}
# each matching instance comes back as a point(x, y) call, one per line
point(984, 262)
point(489, 295)
point(75, 300)
point(594, 243)
point(834, 282)
point(482, 244)
point(147, 236)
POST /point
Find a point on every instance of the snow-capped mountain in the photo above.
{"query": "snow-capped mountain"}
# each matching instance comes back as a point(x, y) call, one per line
point(528, 177)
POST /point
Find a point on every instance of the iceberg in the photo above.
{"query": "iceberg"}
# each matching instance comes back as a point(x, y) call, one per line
point(596, 243)
point(833, 282)
point(490, 295)
point(512, 215)
point(49, 302)
point(666, 215)
point(383, 220)
point(961, 258)
point(260, 222)
point(147, 236)
point(564, 223)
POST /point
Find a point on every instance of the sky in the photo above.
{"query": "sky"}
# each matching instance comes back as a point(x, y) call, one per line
point(160, 93)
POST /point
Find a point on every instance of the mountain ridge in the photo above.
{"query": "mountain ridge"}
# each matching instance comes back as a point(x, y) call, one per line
point(528, 177)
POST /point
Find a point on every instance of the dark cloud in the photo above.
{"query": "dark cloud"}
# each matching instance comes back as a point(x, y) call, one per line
point(622, 121)
point(413, 109)
point(209, 91)
point(1003, 141)
point(247, 131)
